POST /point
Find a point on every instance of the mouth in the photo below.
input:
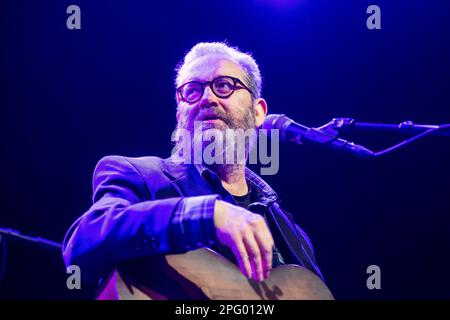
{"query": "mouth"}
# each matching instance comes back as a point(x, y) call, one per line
point(210, 118)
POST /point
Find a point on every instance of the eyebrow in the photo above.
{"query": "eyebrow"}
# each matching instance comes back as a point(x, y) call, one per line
point(197, 79)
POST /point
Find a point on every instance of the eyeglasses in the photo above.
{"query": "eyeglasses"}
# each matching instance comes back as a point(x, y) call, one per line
point(222, 87)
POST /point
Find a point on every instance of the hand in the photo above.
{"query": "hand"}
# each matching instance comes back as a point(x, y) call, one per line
point(248, 236)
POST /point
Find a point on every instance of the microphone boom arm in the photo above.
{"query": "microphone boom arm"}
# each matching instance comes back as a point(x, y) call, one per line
point(328, 134)
point(407, 127)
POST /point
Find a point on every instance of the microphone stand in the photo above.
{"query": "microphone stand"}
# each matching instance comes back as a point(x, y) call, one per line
point(4, 232)
point(403, 127)
point(332, 128)
point(48, 244)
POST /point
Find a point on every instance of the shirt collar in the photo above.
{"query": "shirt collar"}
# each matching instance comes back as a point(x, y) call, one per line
point(265, 193)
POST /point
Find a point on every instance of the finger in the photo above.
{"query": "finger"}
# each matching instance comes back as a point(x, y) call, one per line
point(254, 256)
point(265, 243)
point(241, 255)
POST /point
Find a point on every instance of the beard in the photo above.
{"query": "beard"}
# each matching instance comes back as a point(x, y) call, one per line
point(232, 149)
point(243, 120)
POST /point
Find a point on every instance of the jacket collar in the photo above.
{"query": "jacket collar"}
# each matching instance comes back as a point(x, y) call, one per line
point(177, 170)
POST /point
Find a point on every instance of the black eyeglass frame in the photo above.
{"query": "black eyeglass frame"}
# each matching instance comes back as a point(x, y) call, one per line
point(236, 81)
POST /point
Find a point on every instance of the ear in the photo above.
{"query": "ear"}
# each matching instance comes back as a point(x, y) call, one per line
point(260, 109)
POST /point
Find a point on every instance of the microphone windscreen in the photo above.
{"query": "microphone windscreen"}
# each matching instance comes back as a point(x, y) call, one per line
point(272, 122)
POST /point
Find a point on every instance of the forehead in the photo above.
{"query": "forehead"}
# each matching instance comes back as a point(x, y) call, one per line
point(208, 67)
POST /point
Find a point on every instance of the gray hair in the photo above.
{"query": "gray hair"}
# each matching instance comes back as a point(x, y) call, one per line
point(252, 75)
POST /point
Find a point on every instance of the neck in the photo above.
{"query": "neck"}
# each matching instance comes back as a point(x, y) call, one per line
point(232, 177)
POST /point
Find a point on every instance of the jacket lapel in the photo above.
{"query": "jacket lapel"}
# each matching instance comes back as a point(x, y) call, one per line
point(185, 179)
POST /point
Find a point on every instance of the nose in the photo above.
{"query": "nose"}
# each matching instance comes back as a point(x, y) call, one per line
point(208, 98)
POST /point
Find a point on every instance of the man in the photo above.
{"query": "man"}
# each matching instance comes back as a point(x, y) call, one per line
point(151, 206)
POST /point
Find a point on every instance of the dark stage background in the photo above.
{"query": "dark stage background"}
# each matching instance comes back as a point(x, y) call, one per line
point(70, 97)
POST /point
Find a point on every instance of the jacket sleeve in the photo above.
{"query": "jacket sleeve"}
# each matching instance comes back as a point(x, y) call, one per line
point(123, 224)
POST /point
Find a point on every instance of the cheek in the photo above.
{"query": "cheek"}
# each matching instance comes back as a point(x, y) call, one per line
point(185, 112)
point(243, 108)
point(181, 114)
point(234, 104)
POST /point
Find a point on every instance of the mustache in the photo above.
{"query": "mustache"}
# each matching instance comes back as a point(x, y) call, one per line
point(209, 115)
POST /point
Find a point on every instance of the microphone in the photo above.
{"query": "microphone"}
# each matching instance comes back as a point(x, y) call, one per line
point(295, 132)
